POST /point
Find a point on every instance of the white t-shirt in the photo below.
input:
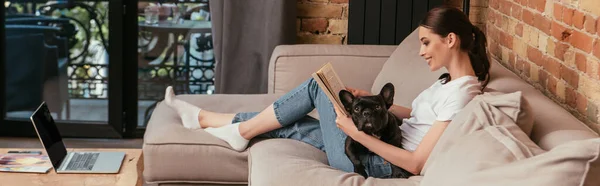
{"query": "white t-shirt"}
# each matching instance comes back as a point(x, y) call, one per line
point(439, 102)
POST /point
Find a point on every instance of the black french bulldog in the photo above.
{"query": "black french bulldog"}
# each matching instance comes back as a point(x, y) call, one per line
point(370, 115)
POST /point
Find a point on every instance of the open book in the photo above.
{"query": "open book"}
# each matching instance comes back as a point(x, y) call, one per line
point(331, 84)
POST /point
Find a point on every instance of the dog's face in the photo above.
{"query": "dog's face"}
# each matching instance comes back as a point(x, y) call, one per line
point(369, 113)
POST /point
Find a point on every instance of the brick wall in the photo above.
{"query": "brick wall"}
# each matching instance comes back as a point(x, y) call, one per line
point(322, 21)
point(554, 45)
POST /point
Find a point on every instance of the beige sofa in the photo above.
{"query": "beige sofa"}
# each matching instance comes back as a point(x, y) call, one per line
point(176, 155)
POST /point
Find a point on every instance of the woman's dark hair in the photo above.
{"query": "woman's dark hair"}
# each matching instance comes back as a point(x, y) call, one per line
point(445, 20)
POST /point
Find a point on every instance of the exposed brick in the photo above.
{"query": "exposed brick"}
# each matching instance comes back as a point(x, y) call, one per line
point(552, 66)
point(319, 10)
point(571, 97)
point(519, 29)
point(506, 40)
point(592, 66)
point(339, 1)
point(494, 4)
point(542, 23)
point(477, 3)
point(561, 91)
point(592, 112)
point(551, 85)
point(570, 58)
point(568, 15)
point(570, 76)
point(558, 31)
point(519, 65)
point(345, 14)
point(528, 17)
point(592, 6)
point(526, 68)
point(338, 26)
point(580, 61)
point(582, 41)
point(478, 15)
point(505, 7)
point(558, 10)
point(590, 24)
point(319, 39)
point(534, 55)
point(534, 72)
point(540, 5)
point(315, 25)
point(560, 50)
point(319, 1)
point(520, 47)
point(495, 50)
point(517, 11)
point(521, 2)
point(505, 57)
point(543, 43)
point(578, 19)
point(581, 103)
point(543, 77)
point(597, 48)
point(598, 26)
point(551, 46)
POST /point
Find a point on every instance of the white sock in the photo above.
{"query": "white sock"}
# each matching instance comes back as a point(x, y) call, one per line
point(230, 134)
point(187, 111)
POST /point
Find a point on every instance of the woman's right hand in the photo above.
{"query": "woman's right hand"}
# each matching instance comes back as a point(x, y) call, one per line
point(358, 92)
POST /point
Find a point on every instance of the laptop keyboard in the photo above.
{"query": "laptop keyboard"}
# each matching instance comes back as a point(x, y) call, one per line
point(82, 161)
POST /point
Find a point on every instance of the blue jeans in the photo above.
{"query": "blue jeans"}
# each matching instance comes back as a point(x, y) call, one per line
point(291, 111)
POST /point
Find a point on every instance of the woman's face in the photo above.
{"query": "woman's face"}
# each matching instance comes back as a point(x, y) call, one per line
point(434, 49)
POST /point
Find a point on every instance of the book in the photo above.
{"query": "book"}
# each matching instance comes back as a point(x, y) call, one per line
point(24, 163)
point(331, 84)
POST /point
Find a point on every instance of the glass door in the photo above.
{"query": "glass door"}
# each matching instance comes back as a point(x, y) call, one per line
point(174, 48)
point(58, 52)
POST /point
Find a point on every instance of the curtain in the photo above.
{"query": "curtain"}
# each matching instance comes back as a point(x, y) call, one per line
point(245, 32)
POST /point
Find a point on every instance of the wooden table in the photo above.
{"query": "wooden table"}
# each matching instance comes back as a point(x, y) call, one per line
point(129, 175)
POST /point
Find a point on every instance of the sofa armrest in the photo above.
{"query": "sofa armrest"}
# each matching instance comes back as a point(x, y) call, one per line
point(357, 65)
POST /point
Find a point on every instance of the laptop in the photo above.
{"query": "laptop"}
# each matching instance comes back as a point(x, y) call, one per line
point(71, 162)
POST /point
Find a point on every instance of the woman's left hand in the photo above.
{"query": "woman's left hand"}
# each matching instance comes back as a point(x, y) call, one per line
point(345, 123)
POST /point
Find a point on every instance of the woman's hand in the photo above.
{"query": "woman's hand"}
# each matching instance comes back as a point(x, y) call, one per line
point(358, 92)
point(346, 124)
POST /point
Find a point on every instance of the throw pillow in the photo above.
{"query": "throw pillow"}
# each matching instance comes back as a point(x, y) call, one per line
point(572, 163)
point(489, 109)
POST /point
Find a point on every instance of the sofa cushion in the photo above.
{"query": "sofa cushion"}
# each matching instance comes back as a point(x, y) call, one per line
point(289, 162)
point(488, 109)
point(173, 153)
point(489, 147)
point(572, 163)
point(407, 70)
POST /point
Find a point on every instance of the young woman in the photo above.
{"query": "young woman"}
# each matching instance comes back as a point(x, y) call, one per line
point(448, 40)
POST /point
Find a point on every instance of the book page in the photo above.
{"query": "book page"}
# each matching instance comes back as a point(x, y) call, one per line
point(333, 84)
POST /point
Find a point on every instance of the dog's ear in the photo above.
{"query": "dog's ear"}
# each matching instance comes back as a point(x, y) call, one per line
point(387, 92)
point(347, 98)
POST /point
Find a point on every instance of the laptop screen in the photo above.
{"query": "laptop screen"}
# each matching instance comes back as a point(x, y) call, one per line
point(48, 133)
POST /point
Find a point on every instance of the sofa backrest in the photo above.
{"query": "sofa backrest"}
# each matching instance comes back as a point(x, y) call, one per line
point(410, 74)
point(407, 71)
